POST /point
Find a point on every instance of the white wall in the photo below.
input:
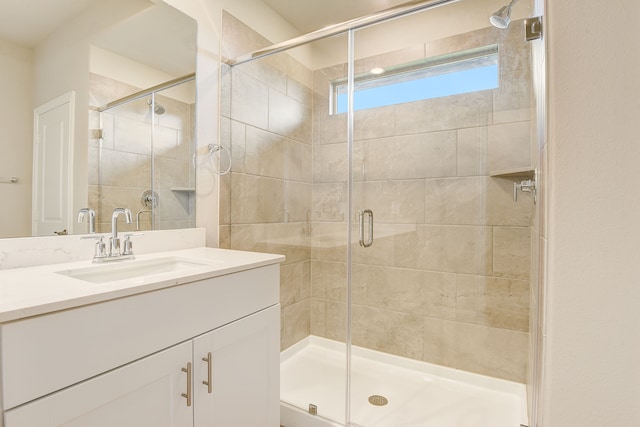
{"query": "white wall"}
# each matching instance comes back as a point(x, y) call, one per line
point(592, 362)
point(16, 127)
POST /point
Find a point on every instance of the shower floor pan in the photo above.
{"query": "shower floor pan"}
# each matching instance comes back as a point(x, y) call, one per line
point(418, 394)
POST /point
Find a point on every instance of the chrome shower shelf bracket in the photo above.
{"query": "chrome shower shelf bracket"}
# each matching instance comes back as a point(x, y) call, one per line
point(526, 186)
point(533, 28)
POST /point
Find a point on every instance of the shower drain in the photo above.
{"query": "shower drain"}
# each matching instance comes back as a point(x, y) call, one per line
point(378, 400)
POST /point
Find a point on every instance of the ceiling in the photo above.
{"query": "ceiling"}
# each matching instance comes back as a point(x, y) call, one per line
point(159, 37)
point(310, 15)
point(27, 23)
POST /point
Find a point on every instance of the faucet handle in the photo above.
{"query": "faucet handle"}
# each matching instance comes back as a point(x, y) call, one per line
point(128, 244)
point(101, 247)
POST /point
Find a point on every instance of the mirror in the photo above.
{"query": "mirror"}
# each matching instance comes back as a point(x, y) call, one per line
point(96, 52)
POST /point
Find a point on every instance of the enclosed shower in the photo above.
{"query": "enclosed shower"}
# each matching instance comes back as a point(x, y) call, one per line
point(142, 153)
point(394, 164)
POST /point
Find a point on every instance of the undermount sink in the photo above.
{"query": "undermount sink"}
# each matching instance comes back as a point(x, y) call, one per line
point(123, 270)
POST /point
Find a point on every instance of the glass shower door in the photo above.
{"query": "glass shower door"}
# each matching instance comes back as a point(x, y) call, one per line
point(287, 194)
point(439, 249)
point(406, 280)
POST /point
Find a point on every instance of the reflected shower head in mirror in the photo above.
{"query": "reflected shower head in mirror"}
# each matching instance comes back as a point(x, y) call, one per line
point(159, 109)
point(502, 17)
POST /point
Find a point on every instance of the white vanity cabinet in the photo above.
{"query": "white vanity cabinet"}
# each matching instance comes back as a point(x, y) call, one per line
point(244, 368)
point(143, 393)
point(136, 361)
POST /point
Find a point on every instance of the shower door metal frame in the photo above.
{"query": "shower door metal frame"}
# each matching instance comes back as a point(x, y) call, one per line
point(341, 28)
point(349, 302)
point(145, 92)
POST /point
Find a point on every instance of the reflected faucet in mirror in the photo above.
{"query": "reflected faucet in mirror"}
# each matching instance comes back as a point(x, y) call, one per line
point(92, 218)
point(140, 212)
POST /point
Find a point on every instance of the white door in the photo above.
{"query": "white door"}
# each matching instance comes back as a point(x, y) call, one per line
point(146, 393)
point(245, 374)
point(53, 166)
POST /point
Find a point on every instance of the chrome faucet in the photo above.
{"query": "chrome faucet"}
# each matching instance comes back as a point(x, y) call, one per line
point(114, 253)
point(92, 218)
point(114, 246)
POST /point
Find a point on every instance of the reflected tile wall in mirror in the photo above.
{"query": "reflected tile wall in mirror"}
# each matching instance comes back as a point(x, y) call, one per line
point(121, 161)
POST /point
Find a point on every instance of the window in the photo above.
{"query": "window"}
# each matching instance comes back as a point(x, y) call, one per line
point(453, 74)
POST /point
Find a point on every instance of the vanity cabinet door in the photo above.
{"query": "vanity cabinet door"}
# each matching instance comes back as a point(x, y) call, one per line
point(245, 374)
point(145, 393)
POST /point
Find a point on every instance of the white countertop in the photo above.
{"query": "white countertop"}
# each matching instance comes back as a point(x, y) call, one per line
point(32, 291)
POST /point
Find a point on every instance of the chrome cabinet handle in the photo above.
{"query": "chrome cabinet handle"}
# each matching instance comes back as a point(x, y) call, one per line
point(369, 241)
point(209, 381)
point(187, 395)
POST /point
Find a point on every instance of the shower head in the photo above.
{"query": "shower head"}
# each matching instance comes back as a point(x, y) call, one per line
point(502, 17)
point(159, 109)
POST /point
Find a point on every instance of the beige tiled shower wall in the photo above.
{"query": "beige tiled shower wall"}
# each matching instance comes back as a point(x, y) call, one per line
point(266, 123)
point(120, 166)
point(447, 278)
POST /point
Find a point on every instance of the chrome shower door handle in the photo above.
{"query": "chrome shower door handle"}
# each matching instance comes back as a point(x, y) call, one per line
point(369, 241)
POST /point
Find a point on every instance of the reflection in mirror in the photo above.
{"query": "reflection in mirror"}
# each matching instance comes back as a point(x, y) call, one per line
point(96, 52)
point(142, 155)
